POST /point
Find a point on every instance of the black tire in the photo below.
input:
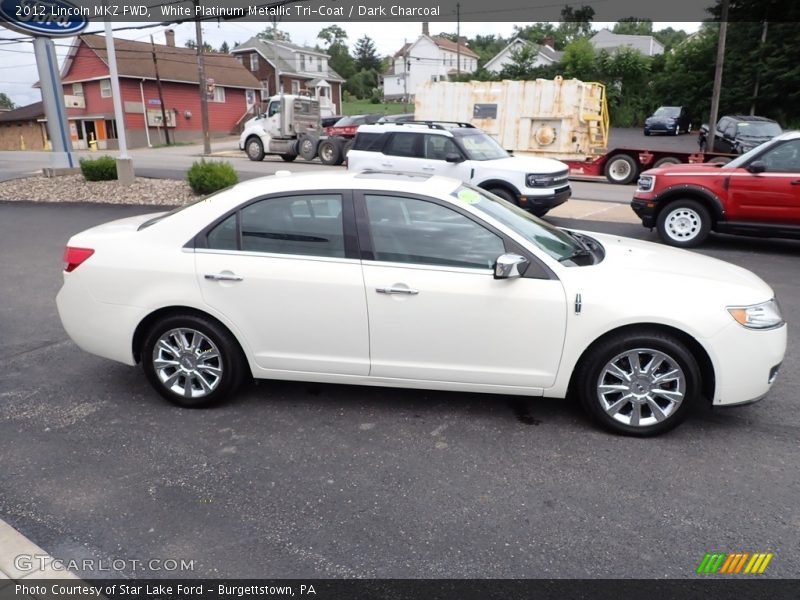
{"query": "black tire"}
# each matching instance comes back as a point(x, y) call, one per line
point(307, 147)
point(683, 389)
point(539, 212)
point(254, 148)
point(667, 160)
point(720, 160)
point(684, 223)
point(504, 194)
point(288, 157)
point(330, 153)
point(347, 147)
point(647, 132)
point(621, 169)
point(212, 337)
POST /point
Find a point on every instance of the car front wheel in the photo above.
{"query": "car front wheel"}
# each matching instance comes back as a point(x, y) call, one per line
point(639, 383)
point(191, 361)
point(684, 223)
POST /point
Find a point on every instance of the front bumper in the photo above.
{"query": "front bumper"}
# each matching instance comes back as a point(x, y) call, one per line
point(661, 128)
point(645, 210)
point(548, 201)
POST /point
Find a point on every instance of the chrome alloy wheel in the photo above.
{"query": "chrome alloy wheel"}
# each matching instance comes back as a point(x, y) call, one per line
point(641, 387)
point(326, 152)
point(187, 363)
point(683, 224)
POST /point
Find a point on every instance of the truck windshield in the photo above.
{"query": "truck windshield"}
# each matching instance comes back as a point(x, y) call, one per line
point(479, 146)
point(554, 241)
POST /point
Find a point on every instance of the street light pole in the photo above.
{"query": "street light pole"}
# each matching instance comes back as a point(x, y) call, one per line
point(723, 30)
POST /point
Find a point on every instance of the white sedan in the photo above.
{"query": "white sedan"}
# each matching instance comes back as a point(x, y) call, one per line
point(412, 281)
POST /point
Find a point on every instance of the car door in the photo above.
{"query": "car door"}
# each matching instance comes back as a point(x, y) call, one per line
point(772, 196)
point(436, 313)
point(436, 150)
point(724, 136)
point(403, 152)
point(281, 271)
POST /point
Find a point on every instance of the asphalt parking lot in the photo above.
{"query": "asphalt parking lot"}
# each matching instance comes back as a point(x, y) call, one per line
point(302, 480)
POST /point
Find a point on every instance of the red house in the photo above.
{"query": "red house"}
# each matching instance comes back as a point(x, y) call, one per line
point(90, 109)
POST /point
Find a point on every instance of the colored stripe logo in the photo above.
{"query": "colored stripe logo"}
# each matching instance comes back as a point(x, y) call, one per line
point(735, 563)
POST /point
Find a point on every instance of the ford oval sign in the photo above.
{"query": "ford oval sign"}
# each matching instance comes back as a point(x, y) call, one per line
point(50, 18)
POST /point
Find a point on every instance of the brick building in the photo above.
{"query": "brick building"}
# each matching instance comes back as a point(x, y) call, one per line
point(90, 110)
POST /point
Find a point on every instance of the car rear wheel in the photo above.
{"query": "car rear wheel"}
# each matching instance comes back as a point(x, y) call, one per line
point(639, 383)
point(191, 361)
point(684, 223)
point(621, 169)
point(255, 149)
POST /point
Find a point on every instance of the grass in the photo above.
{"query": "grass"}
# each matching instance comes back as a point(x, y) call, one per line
point(365, 107)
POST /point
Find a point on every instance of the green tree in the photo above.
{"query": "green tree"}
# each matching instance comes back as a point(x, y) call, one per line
point(271, 33)
point(366, 56)
point(193, 45)
point(523, 59)
point(579, 60)
point(538, 32)
point(363, 83)
point(333, 34)
point(6, 102)
point(670, 37)
point(576, 23)
point(224, 48)
point(633, 26)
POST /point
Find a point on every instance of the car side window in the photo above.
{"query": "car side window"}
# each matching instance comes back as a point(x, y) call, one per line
point(404, 144)
point(437, 147)
point(783, 158)
point(309, 225)
point(225, 235)
point(409, 230)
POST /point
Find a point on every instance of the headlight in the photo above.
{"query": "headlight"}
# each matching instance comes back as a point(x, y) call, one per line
point(766, 315)
point(646, 183)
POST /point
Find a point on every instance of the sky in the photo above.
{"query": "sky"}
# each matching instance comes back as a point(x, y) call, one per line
point(18, 66)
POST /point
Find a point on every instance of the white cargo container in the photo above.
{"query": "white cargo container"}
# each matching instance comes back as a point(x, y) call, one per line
point(560, 118)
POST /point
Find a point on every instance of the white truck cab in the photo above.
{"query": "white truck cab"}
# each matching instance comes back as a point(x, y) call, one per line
point(277, 131)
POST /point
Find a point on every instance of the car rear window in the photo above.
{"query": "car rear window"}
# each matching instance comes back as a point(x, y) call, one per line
point(368, 141)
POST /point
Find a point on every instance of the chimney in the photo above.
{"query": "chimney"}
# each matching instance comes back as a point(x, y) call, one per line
point(549, 41)
point(170, 35)
point(463, 41)
point(425, 30)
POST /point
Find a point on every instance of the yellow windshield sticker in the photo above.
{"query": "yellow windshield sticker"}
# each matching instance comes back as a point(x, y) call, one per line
point(469, 196)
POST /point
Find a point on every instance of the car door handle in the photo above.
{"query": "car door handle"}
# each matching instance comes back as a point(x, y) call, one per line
point(387, 165)
point(796, 182)
point(397, 290)
point(223, 277)
point(428, 169)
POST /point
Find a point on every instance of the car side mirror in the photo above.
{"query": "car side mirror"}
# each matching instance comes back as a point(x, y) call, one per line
point(510, 266)
point(757, 166)
point(452, 157)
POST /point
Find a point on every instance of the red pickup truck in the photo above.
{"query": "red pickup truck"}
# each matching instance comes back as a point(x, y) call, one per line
point(756, 194)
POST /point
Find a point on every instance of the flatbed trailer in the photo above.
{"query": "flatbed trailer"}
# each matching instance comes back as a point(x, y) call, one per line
point(623, 165)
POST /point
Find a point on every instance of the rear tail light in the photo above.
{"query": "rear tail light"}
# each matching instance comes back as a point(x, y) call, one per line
point(75, 257)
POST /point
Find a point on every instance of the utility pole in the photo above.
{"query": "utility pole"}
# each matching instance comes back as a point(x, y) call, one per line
point(758, 68)
point(160, 94)
point(201, 74)
point(278, 89)
point(458, 39)
point(406, 69)
point(723, 30)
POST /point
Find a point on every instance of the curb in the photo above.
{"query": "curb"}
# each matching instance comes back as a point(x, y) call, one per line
point(13, 545)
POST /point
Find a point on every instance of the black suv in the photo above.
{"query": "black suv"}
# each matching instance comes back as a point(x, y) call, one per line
point(737, 134)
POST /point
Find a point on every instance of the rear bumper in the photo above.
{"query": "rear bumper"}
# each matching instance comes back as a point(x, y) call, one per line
point(645, 210)
point(548, 201)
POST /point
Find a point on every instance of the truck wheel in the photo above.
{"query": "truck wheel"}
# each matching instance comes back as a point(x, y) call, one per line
point(330, 153)
point(667, 160)
point(621, 169)
point(255, 149)
point(307, 147)
point(288, 157)
point(720, 160)
point(684, 223)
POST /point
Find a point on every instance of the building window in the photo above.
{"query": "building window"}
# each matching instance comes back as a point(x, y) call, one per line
point(319, 64)
point(254, 62)
point(302, 62)
point(219, 94)
point(295, 87)
point(105, 88)
point(77, 89)
point(240, 58)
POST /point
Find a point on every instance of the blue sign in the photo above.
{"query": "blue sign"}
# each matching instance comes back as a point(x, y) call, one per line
point(50, 18)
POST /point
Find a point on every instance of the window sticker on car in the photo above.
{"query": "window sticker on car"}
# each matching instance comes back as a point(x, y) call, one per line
point(469, 196)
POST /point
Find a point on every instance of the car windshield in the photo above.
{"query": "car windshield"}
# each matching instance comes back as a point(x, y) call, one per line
point(758, 129)
point(555, 242)
point(667, 111)
point(480, 146)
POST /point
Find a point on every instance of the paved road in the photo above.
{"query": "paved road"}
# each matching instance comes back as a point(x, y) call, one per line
point(300, 480)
